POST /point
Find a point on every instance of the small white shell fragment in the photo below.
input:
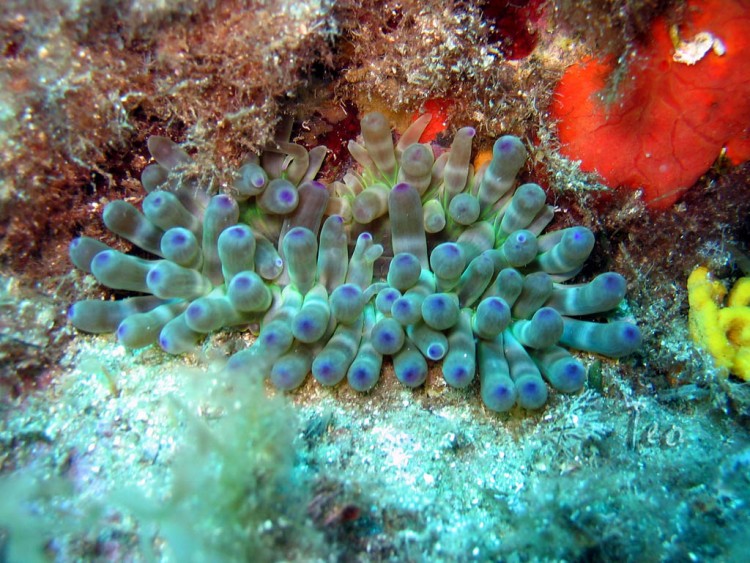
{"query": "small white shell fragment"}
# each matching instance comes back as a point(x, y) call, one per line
point(690, 52)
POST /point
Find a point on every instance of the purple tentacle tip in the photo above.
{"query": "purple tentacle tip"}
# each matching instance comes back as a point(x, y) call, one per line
point(224, 201)
point(391, 296)
point(237, 232)
point(498, 305)
point(195, 311)
point(435, 351)
point(439, 303)
point(631, 334)
point(325, 369)
point(269, 339)
point(411, 375)
point(386, 338)
point(612, 282)
point(547, 313)
point(350, 291)
point(102, 258)
point(178, 239)
point(506, 145)
point(402, 307)
point(241, 282)
point(286, 195)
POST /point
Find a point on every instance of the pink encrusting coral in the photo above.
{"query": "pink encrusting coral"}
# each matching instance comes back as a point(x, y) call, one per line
point(687, 99)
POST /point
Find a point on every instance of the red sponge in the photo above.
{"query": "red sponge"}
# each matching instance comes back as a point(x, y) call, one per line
point(673, 118)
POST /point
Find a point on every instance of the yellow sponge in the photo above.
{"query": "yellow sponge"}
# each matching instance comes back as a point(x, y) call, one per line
point(723, 331)
point(740, 294)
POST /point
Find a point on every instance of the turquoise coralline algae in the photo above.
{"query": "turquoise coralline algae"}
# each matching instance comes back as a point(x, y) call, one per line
point(448, 265)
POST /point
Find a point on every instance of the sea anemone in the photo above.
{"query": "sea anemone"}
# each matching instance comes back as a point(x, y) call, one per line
point(449, 264)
